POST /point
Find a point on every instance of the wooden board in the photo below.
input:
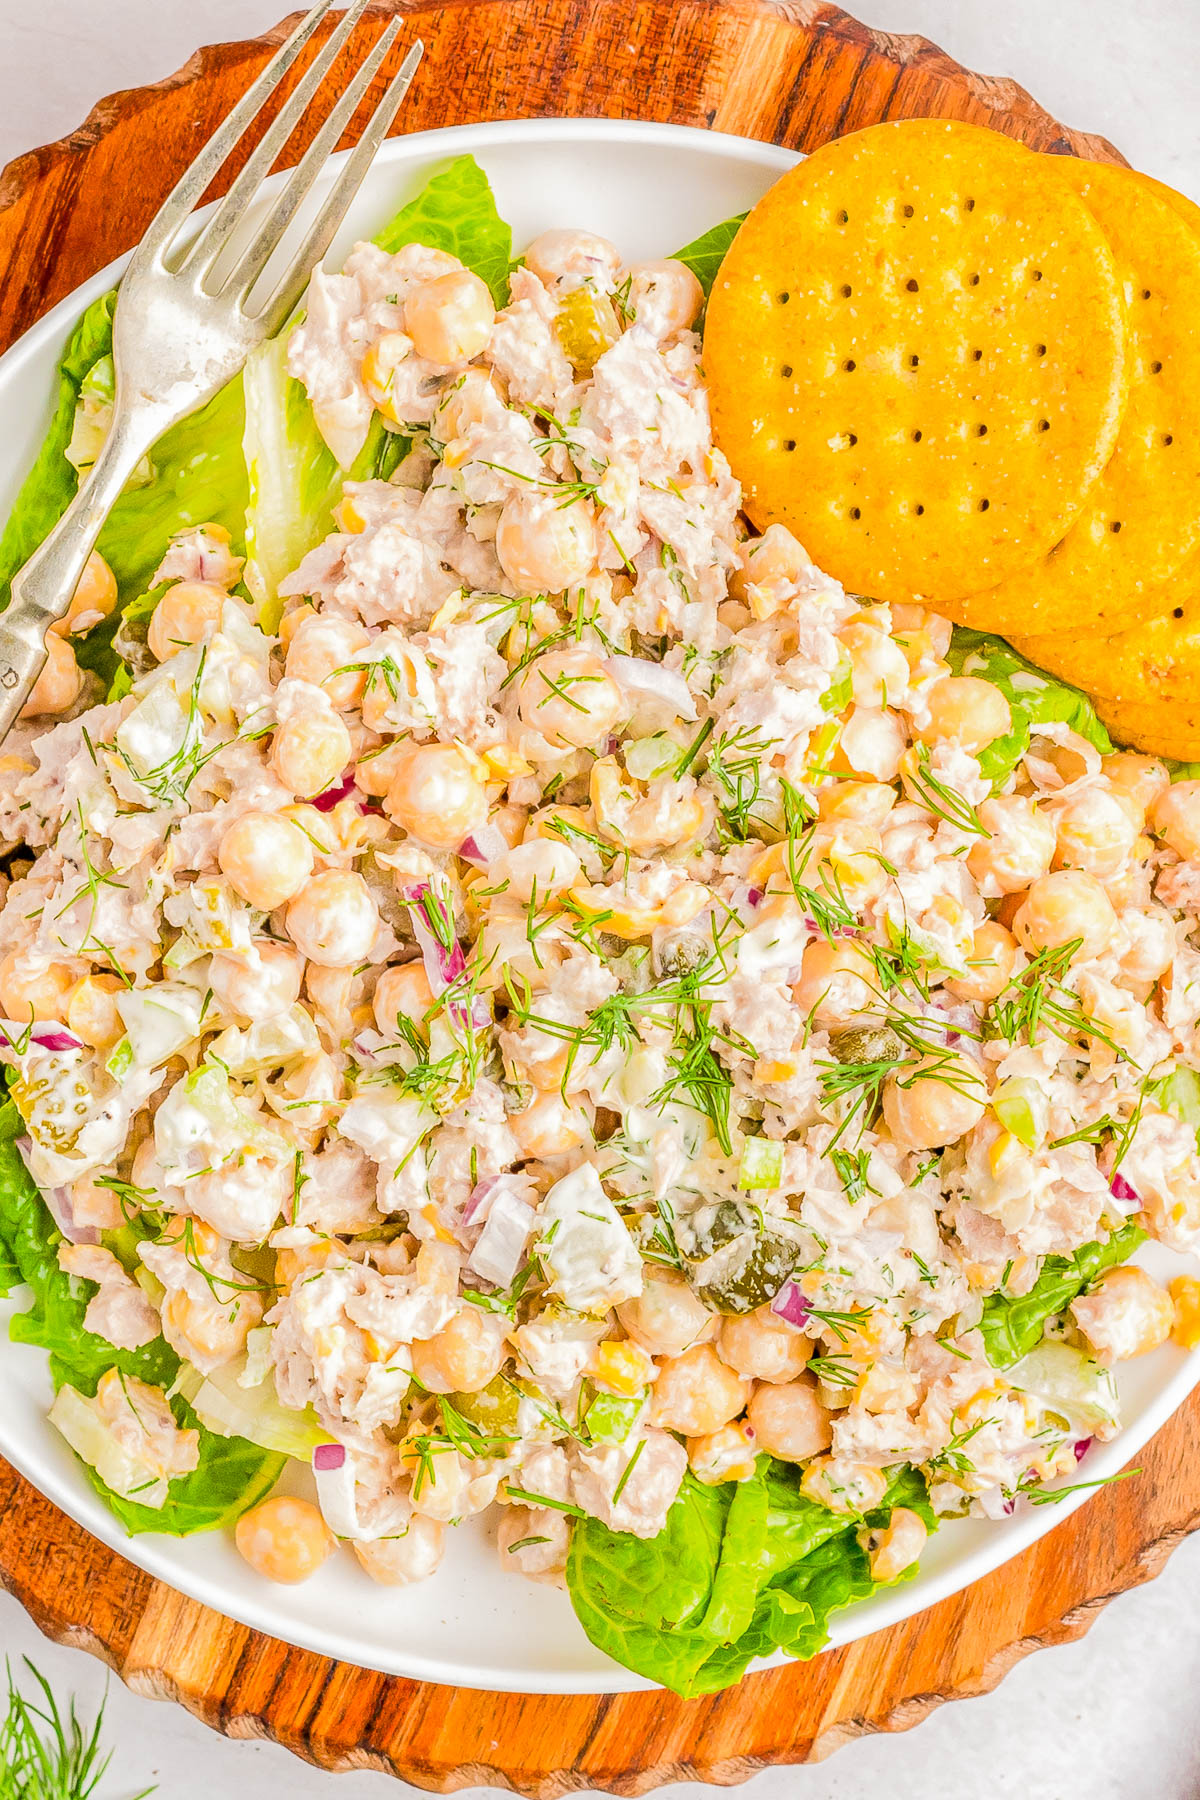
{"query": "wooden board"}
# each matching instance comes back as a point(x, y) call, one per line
point(797, 73)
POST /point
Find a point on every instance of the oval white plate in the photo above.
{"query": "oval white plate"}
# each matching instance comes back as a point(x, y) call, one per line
point(651, 189)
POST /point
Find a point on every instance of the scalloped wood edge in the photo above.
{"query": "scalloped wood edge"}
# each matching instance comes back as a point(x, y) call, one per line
point(797, 73)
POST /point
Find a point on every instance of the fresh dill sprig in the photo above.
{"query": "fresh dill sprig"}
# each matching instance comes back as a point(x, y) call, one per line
point(46, 1753)
point(943, 801)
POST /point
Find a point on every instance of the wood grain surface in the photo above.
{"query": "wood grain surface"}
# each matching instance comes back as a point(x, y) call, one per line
point(798, 73)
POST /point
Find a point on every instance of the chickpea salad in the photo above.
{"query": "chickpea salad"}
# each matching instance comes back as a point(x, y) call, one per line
point(521, 997)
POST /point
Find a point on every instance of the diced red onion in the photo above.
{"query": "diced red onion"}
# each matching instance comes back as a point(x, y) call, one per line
point(341, 790)
point(501, 1247)
point(479, 1200)
point(1009, 1506)
point(442, 966)
point(336, 1482)
point(754, 897)
point(1121, 1190)
point(46, 1037)
point(1082, 1448)
point(648, 680)
point(58, 1202)
point(483, 846)
point(328, 1456)
point(790, 1304)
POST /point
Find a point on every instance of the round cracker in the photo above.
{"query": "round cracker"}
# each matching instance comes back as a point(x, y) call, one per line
point(1158, 727)
point(1142, 518)
point(915, 358)
point(1159, 655)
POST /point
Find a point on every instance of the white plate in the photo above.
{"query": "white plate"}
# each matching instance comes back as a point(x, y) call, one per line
point(650, 188)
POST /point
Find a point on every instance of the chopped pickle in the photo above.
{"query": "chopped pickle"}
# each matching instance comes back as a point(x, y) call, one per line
point(735, 1258)
point(54, 1113)
point(493, 1409)
point(586, 326)
point(867, 1044)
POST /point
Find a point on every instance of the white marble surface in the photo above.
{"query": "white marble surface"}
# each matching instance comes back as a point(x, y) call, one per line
point(1113, 1717)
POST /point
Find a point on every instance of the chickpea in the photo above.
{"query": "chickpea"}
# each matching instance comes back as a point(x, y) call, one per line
point(92, 601)
point(1151, 945)
point(667, 1317)
point(863, 802)
point(260, 985)
point(1175, 816)
point(188, 613)
point(321, 650)
point(543, 866)
point(842, 1486)
point(471, 400)
point(872, 742)
point(32, 988)
point(774, 557)
point(1018, 850)
point(664, 297)
point(212, 1331)
point(543, 546)
point(379, 365)
point(534, 1541)
point(897, 1545)
point(877, 664)
point(697, 1393)
point(1185, 1298)
point(1062, 906)
point(412, 1556)
point(762, 1346)
point(991, 965)
point(436, 794)
point(511, 822)
point(837, 980)
point(331, 991)
point(92, 1013)
point(1143, 779)
point(569, 697)
point(724, 1455)
point(967, 711)
point(449, 319)
point(789, 1421)
point(934, 1101)
point(402, 991)
point(94, 1205)
point(1097, 831)
point(267, 859)
point(548, 1126)
point(284, 1539)
point(310, 751)
point(1123, 1314)
point(464, 1356)
point(292, 620)
point(850, 861)
point(579, 255)
point(57, 687)
point(333, 920)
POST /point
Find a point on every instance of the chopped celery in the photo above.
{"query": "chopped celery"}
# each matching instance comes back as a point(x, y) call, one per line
point(761, 1165)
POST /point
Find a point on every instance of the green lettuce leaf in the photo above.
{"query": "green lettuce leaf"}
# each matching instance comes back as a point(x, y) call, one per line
point(456, 211)
point(1012, 1326)
point(232, 1474)
point(1035, 699)
point(705, 254)
point(738, 1572)
point(1179, 1093)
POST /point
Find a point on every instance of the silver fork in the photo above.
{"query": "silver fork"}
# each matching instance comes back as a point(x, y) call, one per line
point(185, 324)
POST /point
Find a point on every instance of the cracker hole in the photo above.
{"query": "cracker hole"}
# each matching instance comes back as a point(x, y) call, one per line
point(1035, 274)
point(789, 443)
point(846, 290)
point(969, 204)
point(977, 356)
point(908, 212)
point(981, 431)
point(782, 299)
point(1177, 612)
point(849, 365)
point(1156, 368)
point(912, 286)
point(1167, 438)
point(916, 437)
point(856, 512)
point(785, 369)
point(1114, 525)
point(912, 360)
point(852, 438)
point(1039, 349)
point(1145, 293)
point(983, 505)
point(843, 218)
point(918, 509)
point(972, 281)
point(1043, 424)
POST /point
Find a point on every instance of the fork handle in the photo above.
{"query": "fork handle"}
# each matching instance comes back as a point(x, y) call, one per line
point(42, 590)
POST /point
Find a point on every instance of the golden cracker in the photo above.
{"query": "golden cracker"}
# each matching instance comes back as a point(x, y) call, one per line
point(915, 356)
point(1142, 518)
point(1159, 727)
point(1159, 655)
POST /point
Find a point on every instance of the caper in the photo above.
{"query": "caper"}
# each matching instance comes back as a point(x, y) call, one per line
point(681, 952)
point(868, 1044)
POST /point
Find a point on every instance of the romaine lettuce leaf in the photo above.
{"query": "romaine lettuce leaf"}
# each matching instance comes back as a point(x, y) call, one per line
point(232, 1474)
point(738, 1572)
point(1012, 1326)
point(1035, 699)
point(705, 254)
point(456, 211)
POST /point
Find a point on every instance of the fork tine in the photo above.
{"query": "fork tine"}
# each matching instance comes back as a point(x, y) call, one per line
point(321, 233)
point(229, 214)
point(178, 205)
point(254, 260)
